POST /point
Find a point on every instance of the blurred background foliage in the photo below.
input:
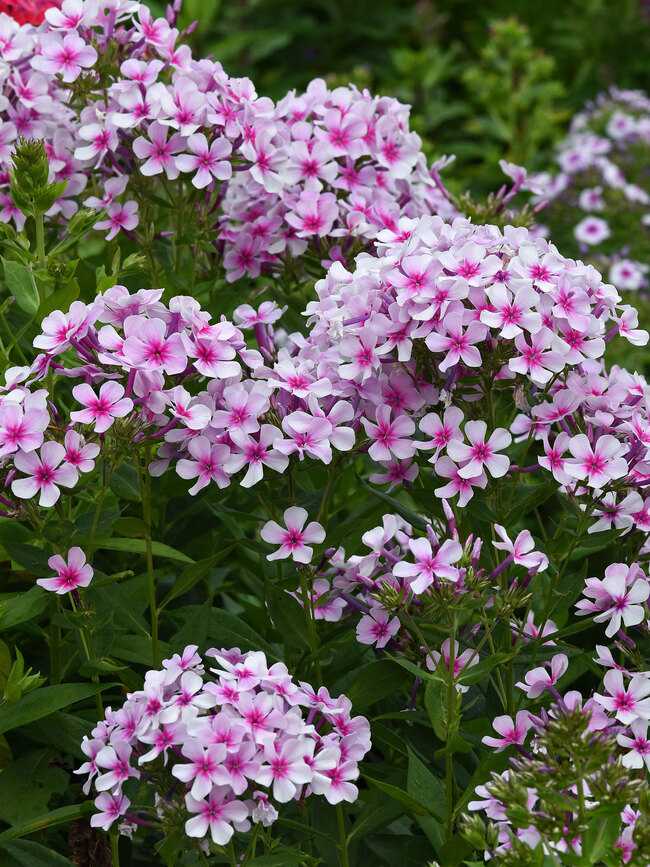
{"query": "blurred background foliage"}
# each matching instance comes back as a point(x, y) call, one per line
point(487, 80)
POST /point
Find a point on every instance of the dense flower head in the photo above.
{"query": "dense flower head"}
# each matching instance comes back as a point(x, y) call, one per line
point(226, 747)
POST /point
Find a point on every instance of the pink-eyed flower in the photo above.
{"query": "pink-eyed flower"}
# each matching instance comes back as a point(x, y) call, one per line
point(59, 328)
point(628, 703)
point(539, 679)
point(205, 465)
point(148, 347)
point(158, 151)
point(363, 354)
point(638, 745)
point(284, 768)
point(457, 343)
point(521, 550)
point(390, 438)
point(21, 427)
point(78, 453)
point(446, 468)
point(512, 732)
point(114, 758)
point(75, 573)
point(65, 56)
point(481, 455)
point(618, 598)
point(306, 435)
point(442, 431)
point(592, 231)
point(119, 216)
point(313, 214)
point(467, 659)
point(102, 139)
point(535, 359)
point(292, 536)
point(215, 815)
point(111, 807)
point(598, 464)
point(101, 410)
point(43, 474)
point(512, 312)
point(377, 627)
point(429, 566)
point(200, 768)
point(256, 453)
point(208, 161)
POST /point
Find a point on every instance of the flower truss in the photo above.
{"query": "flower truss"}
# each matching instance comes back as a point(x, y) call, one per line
point(223, 750)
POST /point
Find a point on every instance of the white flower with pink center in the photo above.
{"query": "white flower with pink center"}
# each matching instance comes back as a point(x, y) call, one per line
point(69, 575)
point(513, 732)
point(101, 410)
point(377, 627)
point(629, 702)
point(292, 537)
point(481, 455)
point(44, 473)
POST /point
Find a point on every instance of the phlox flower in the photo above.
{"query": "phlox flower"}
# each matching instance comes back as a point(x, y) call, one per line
point(512, 732)
point(119, 216)
point(101, 410)
point(255, 453)
point(618, 598)
point(512, 312)
point(481, 455)
point(69, 575)
point(592, 231)
point(628, 703)
point(521, 549)
point(59, 328)
point(467, 659)
point(114, 759)
point(377, 627)
point(111, 807)
point(148, 347)
point(78, 453)
point(208, 161)
point(446, 468)
point(458, 344)
point(442, 431)
point(598, 464)
point(201, 766)
point(390, 438)
point(539, 679)
point(205, 464)
point(21, 427)
point(43, 474)
point(158, 151)
point(65, 56)
point(638, 745)
point(429, 566)
point(215, 815)
point(292, 536)
point(536, 360)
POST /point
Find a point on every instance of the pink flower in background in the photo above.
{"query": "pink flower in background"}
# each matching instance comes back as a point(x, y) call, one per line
point(292, 537)
point(618, 598)
point(629, 702)
point(44, 474)
point(119, 216)
point(592, 231)
point(638, 745)
point(101, 410)
point(69, 575)
point(377, 627)
point(522, 549)
point(78, 453)
point(540, 679)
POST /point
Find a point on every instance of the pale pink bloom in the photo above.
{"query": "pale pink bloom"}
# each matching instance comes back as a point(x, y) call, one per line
point(429, 566)
point(592, 231)
point(201, 766)
point(78, 453)
point(627, 274)
point(391, 438)
point(242, 409)
point(101, 410)
point(396, 473)
point(512, 312)
point(159, 152)
point(306, 436)
point(553, 461)
point(446, 468)
point(205, 465)
point(75, 573)
point(377, 627)
point(256, 454)
point(44, 474)
point(60, 328)
point(70, 15)
point(457, 343)
point(614, 513)
point(639, 745)
point(414, 275)
point(535, 359)
point(481, 455)
point(362, 350)
point(115, 759)
point(285, 768)
point(512, 732)
point(21, 427)
point(335, 783)
point(598, 464)
point(148, 347)
point(215, 815)
point(111, 807)
point(442, 432)
point(292, 537)
point(213, 357)
point(207, 161)
point(119, 216)
point(64, 56)
point(314, 214)
point(267, 313)
point(629, 703)
point(472, 263)
point(539, 679)
point(530, 631)
point(194, 415)
point(102, 139)
point(618, 598)
point(522, 549)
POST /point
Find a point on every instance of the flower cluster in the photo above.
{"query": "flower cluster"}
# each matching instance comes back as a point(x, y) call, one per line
point(219, 751)
point(119, 99)
point(601, 191)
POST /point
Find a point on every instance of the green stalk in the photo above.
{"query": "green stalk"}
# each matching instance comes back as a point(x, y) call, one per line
point(343, 838)
point(40, 240)
point(449, 761)
point(146, 517)
point(55, 644)
point(115, 849)
point(307, 605)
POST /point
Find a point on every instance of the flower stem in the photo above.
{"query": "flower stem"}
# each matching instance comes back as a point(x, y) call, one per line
point(40, 240)
point(343, 837)
point(115, 849)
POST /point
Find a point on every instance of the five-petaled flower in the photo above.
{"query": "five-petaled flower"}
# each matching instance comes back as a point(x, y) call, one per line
point(292, 537)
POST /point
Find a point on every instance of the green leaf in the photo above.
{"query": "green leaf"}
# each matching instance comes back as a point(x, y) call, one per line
point(435, 701)
point(139, 546)
point(193, 574)
point(60, 816)
point(229, 631)
point(374, 682)
point(29, 557)
point(124, 484)
point(413, 804)
point(23, 607)
point(428, 789)
point(21, 285)
point(61, 299)
point(45, 701)
point(27, 853)
point(287, 615)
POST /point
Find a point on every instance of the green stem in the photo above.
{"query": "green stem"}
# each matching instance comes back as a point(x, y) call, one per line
point(308, 605)
point(146, 517)
point(343, 838)
point(451, 704)
point(115, 849)
point(55, 644)
point(232, 859)
point(40, 240)
point(13, 340)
